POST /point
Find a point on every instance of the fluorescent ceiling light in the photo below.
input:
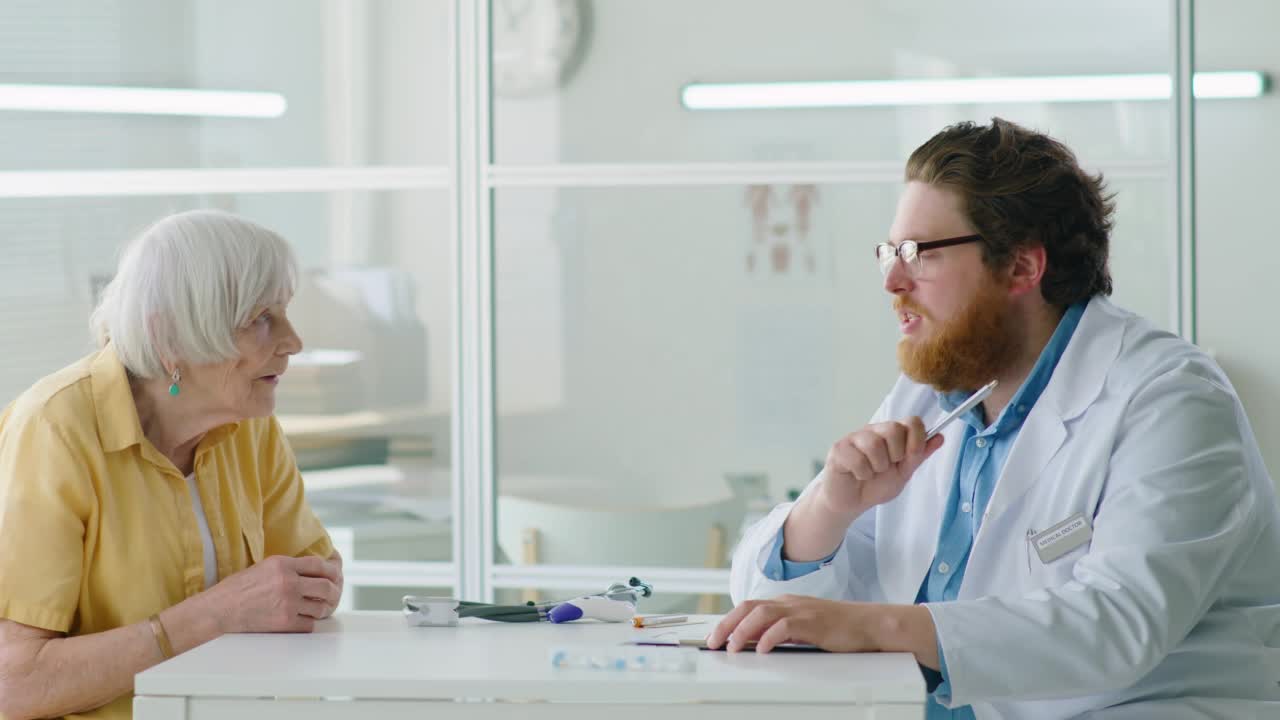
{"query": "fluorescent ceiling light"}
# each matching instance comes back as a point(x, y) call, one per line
point(141, 101)
point(875, 93)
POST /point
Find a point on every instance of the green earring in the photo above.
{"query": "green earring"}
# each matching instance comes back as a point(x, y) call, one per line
point(173, 388)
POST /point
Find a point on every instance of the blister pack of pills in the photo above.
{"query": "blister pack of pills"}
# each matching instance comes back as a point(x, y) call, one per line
point(625, 658)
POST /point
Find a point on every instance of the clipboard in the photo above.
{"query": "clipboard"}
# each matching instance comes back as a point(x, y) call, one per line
point(701, 644)
point(696, 637)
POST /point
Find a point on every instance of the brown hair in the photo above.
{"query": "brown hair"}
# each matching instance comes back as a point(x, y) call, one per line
point(1020, 188)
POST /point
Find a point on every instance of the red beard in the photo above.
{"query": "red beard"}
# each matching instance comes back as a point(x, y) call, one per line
point(969, 350)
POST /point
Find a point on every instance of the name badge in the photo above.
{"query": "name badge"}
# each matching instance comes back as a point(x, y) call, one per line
point(1062, 538)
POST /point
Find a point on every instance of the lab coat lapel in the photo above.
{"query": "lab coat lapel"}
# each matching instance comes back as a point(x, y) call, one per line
point(1076, 383)
point(905, 553)
point(1041, 437)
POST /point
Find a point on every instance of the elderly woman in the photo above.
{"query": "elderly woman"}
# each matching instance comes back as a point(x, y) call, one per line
point(148, 499)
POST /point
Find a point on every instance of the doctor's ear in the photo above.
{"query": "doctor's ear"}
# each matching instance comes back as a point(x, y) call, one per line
point(1026, 268)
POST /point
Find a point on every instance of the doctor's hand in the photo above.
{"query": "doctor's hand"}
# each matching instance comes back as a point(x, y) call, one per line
point(871, 466)
point(833, 625)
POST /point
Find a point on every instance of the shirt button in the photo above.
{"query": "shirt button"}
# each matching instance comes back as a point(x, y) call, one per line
point(966, 507)
point(1022, 409)
point(944, 568)
point(980, 442)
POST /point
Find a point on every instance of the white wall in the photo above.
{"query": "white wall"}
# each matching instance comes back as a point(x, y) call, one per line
point(1238, 157)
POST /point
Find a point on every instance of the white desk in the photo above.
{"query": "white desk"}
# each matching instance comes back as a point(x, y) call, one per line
point(368, 664)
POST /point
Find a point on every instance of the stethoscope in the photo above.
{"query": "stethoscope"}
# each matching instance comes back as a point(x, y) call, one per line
point(538, 612)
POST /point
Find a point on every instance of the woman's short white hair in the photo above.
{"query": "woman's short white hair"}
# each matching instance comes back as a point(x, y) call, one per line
point(185, 285)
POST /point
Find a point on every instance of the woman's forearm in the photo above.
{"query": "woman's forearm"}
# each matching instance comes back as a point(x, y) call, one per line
point(64, 675)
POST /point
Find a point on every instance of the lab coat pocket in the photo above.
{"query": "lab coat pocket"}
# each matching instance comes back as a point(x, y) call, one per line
point(1055, 572)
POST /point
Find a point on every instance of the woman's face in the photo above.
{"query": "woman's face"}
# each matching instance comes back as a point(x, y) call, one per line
point(246, 387)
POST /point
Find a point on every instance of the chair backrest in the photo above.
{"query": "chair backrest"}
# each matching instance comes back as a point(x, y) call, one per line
point(608, 530)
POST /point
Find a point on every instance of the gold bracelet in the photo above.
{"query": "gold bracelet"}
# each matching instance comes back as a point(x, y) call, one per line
point(162, 637)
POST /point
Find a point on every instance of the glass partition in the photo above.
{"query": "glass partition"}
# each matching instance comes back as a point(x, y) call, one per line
point(672, 361)
point(622, 67)
point(312, 83)
point(366, 405)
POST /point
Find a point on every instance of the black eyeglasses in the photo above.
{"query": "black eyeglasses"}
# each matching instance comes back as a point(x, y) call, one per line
point(909, 251)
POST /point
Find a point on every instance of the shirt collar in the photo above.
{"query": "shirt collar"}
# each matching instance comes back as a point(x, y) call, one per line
point(117, 416)
point(116, 412)
point(1016, 411)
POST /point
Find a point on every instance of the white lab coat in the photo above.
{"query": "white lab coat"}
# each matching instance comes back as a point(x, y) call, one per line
point(1172, 610)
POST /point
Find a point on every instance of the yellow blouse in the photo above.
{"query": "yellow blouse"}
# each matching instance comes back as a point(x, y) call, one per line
point(97, 528)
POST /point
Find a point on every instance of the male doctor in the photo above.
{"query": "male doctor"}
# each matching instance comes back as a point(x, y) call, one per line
point(1098, 536)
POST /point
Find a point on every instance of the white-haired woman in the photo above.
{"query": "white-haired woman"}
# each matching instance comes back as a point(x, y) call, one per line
point(148, 499)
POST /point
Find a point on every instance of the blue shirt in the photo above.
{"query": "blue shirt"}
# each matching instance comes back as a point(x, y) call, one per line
point(981, 458)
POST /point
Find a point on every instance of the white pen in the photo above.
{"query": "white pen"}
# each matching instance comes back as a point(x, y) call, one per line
point(964, 407)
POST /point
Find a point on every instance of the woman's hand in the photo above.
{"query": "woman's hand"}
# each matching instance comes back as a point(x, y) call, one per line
point(279, 594)
point(336, 559)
